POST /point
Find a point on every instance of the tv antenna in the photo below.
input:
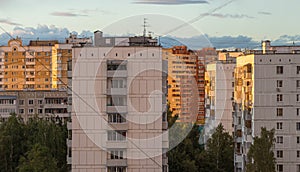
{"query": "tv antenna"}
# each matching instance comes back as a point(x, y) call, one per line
point(145, 27)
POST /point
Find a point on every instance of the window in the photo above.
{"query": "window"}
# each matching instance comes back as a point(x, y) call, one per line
point(298, 69)
point(279, 126)
point(279, 111)
point(40, 102)
point(298, 98)
point(298, 154)
point(298, 168)
point(30, 102)
point(298, 84)
point(279, 83)
point(21, 111)
point(279, 97)
point(21, 102)
point(40, 111)
point(279, 168)
point(279, 69)
point(116, 169)
point(116, 154)
point(279, 139)
point(298, 126)
point(117, 101)
point(116, 135)
point(30, 111)
point(298, 111)
point(232, 84)
point(298, 139)
point(118, 83)
point(116, 118)
point(279, 154)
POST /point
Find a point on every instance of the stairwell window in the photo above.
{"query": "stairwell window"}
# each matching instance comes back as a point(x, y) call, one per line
point(279, 125)
point(298, 126)
point(279, 83)
point(298, 97)
point(298, 69)
point(279, 154)
point(279, 69)
point(298, 84)
point(279, 112)
point(279, 168)
point(279, 97)
point(279, 139)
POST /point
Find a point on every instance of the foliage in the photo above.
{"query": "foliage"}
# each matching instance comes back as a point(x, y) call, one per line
point(19, 143)
point(38, 160)
point(261, 155)
point(220, 149)
point(190, 156)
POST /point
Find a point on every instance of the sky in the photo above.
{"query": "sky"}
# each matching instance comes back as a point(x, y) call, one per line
point(186, 20)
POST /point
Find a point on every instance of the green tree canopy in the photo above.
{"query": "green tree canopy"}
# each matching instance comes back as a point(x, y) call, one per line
point(38, 160)
point(261, 155)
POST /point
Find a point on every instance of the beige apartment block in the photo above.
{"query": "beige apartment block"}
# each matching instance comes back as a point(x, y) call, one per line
point(267, 94)
point(219, 95)
point(118, 110)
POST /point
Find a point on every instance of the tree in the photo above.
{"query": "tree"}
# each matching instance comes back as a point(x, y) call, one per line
point(18, 141)
point(51, 135)
point(12, 138)
point(261, 155)
point(220, 150)
point(38, 160)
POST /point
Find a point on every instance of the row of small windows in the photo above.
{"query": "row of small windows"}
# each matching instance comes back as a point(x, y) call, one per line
point(141, 54)
point(260, 60)
point(279, 69)
point(279, 126)
point(280, 97)
point(280, 112)
point(279, 154)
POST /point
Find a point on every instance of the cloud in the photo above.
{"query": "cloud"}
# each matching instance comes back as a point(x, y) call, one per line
point(264, 13)
point(170, 2)
point(42, 32)
point(67, 14)
point(9, 22)
point(234, 16)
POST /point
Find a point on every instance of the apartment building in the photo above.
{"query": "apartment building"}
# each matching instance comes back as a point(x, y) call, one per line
point(267, 95)
point(25, 67)
point(219, 95)
point(185, 84)
point(119, 108)
point(27, 104)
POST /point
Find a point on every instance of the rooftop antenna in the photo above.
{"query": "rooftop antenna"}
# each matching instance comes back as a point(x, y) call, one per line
point(145, 27)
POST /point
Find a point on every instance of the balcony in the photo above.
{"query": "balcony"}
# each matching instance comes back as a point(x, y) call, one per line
point(55, 106)
point(61, 115)
point(69, 125)
point(238, 158)
point(117, 91)
point(69, 160)
point(164, 125)
point(116, 73)
point(69, 143)
point(117, 162)
point(118, 126)
point(116, 109)
point(116, 144)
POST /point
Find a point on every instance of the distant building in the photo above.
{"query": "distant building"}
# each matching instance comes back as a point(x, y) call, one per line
point(219, 95)
point(268, 48)
point(185, 84)
point(48, 105)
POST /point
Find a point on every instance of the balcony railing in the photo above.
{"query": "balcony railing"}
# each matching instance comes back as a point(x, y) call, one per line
point(117, 162)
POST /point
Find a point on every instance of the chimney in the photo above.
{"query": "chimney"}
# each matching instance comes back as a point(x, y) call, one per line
point(266, 46)
point(97, 37)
